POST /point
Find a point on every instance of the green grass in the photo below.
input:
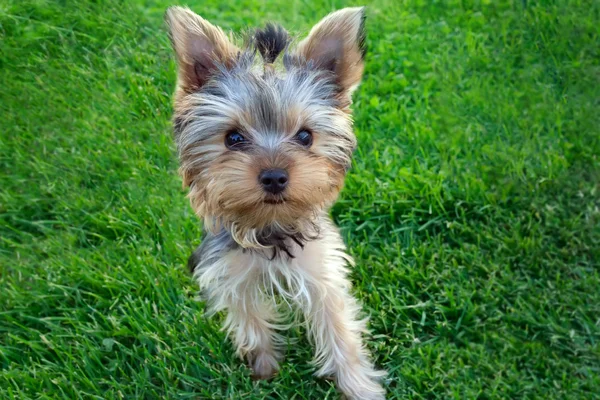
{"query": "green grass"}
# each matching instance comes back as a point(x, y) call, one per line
point(472, 207)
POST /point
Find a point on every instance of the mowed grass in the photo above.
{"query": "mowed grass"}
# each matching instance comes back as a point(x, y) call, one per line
point(472, 208)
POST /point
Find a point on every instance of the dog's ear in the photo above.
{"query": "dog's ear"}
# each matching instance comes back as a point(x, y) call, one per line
point(337, 44)
point(200, 47)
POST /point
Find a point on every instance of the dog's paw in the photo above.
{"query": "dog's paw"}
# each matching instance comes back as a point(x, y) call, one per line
point(374, 392)
point(264, 365)
point(362, 386)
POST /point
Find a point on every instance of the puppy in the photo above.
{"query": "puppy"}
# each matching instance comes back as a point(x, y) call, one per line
point(264, 135)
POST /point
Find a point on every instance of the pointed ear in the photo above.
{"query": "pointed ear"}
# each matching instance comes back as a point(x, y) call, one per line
point(200, 47)
point(337, 44)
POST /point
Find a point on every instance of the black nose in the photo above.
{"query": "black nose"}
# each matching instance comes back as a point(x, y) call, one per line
point(273, 180)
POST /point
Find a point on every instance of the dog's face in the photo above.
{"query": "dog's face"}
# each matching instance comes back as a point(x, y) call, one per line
point(265, 143)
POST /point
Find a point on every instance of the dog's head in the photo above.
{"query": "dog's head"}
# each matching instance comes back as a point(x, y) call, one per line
point(264, 130)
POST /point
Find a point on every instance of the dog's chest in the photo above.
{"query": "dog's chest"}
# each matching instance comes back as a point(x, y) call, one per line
point(289, 277)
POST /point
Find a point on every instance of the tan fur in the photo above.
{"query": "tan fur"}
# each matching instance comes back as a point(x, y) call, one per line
point(338, 32)
point(255, 251)
point(231, 194)
point(195, 39)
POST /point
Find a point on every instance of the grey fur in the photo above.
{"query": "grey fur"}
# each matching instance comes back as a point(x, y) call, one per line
point(268, 97)
point(212, 248)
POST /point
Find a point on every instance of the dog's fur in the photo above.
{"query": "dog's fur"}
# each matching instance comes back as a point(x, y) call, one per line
point(261, 246)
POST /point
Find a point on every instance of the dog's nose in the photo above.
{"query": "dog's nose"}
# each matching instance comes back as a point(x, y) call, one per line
point(273, 180)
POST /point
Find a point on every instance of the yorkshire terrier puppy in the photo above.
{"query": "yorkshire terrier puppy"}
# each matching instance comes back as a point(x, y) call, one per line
point(265, 138)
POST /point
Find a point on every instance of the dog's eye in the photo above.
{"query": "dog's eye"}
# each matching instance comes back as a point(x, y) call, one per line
point(304, 137)
point(235, 141)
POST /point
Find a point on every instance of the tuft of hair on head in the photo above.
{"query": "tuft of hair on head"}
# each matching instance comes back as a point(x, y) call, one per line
point(271, 41)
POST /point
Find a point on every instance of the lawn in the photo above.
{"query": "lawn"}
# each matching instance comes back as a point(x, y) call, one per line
point(472, 207)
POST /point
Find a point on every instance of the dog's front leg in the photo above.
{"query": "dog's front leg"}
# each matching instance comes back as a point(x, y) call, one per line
point(233, 282)
point(332, 318)
point(248, 322)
